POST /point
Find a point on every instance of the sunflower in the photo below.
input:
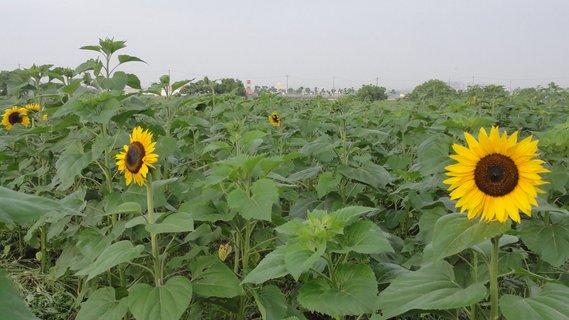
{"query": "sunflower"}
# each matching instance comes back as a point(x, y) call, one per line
point(137, 156)
point(275, 119)
point(15, 115)
point(496, 176)
point(33, 107)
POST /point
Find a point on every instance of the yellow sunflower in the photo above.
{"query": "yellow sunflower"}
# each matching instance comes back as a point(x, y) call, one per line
point(15, 115)
point(33, 107)
point(275, 119)
point(496, 176)
point(137, 156)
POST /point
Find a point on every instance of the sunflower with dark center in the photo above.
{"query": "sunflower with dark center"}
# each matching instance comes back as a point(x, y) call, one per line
point(136, 158)
point(15, 115)
point(274, 119)
point(496, 176)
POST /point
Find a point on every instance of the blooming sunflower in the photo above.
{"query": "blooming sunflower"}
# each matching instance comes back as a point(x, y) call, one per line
point(496, 176)
point(15, 115)
point(275, 119)
point(137, 156)
point(33, 107)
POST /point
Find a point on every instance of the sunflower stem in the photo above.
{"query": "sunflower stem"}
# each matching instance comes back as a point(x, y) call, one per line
point(43, 249)
point(153, 240)
point(474, 275)
point(493, 271)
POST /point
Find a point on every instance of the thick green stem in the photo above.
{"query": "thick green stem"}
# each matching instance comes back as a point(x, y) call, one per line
point(493, 271)
point(43, 249)
point(474, 274)
point(153, 239)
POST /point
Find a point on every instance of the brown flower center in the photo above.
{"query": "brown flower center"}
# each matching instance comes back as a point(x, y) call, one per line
point(496, 175)
point(15, 117)
point(275, 118)
point(134, 156)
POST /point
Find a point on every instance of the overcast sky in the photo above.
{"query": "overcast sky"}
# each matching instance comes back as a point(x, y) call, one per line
point(404, 43)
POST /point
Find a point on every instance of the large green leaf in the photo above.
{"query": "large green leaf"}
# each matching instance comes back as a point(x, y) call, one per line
point(369, 173)
point(70, 164)
point(454, 233)
point(259, 204)
point(21, 208)
point(550, 303)
point(432, 287)
point(550, 241)
point(364, 237)
point(102, 304)
point(166, 302)
point(117, 253)
point(271, 267)
point(12, 307)
point(271, 303)
point(299, 257)
point(355, 292)
point(176, 222)
point(212, 278)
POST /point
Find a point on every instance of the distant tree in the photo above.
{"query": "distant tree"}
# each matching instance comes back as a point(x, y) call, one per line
point(307, 90)
point(228, 85)
point(4, 75)
point(432, 89)
point(371, 93)
point(225, 85)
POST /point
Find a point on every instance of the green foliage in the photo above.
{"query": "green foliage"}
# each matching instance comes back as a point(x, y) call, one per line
point(340, 212)
point(370, 92)
point(432, 89)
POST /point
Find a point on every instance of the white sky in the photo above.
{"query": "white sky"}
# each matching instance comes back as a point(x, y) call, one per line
point(402, 42)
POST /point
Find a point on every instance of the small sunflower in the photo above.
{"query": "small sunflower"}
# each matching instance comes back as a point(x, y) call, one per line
point(15, 115)
point(33, 107)
point(496, 176)
point(137, 156)
point(275, 119)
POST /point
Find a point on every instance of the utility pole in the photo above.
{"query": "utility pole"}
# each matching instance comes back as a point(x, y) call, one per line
point(286, 84)
point(333, 82)
point(377, 81)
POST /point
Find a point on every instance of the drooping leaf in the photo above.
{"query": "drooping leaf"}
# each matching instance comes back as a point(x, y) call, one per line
point(166, 302)
point(23, 209)
point(117, 253)
point(454, 233)
point(70, 164)
point(363, 237)
point(271, 303)
point(432, 287)
point(550, 303)
point(299, 257)
point(176, 222)
point(550, 241)
point(259, 204)
point(126, 58)
point(369, 173)
point(102, 304)
point(272, 266)
point(355, 292)
point(12, 306)
point(212, 278)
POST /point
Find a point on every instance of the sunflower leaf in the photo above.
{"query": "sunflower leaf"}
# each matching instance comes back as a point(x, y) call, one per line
point(550, 303)
point(432, 287)
point(259, 204)
point(354, 292)
point(550, 241)
point(454, 233)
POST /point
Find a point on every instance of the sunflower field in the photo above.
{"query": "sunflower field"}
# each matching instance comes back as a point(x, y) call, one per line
point(118, 202)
